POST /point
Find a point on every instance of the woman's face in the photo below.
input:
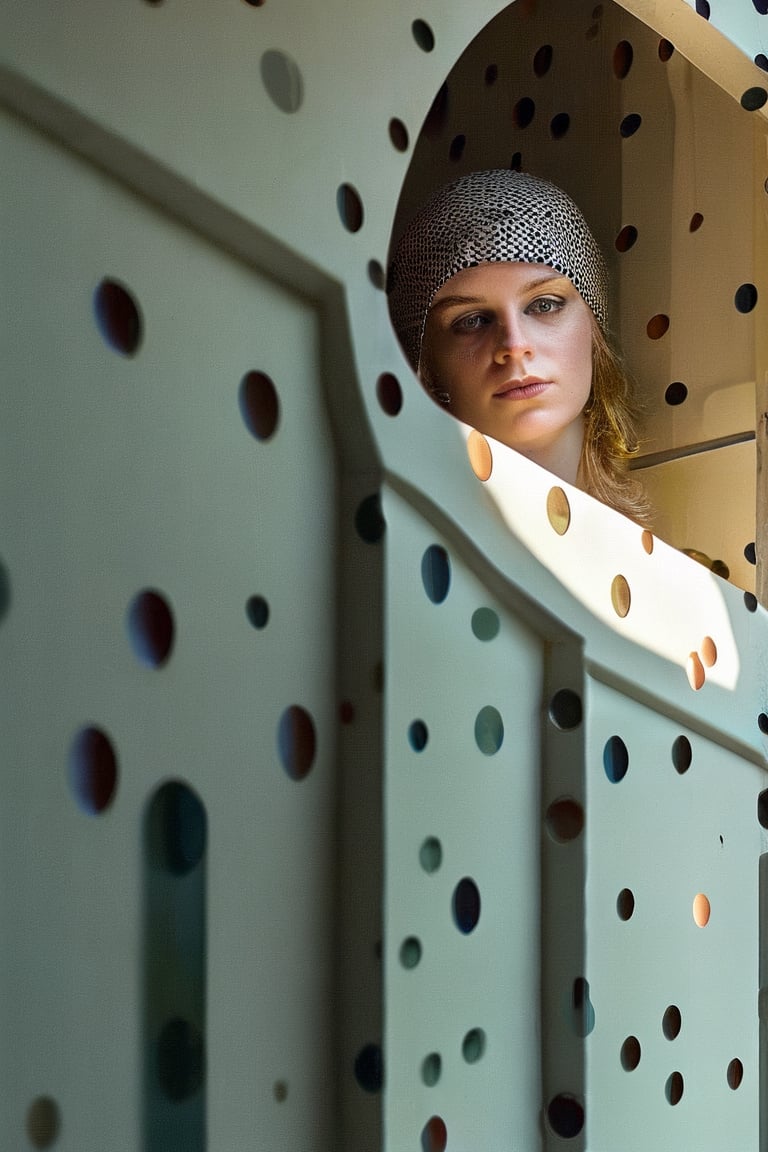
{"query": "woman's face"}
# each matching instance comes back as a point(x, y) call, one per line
point(511, 344)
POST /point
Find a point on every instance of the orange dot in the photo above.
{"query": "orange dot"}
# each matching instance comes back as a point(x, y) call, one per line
point(621, 598)
point(480, 455)
point(558, 510)
point(708, 651)
point(647, 539)
point(701, 910)
point(695, 671)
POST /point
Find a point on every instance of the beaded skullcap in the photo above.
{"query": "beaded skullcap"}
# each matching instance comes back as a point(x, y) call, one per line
point(495, 216)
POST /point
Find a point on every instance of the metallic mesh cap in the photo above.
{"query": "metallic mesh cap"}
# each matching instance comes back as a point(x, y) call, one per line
point(494, 216)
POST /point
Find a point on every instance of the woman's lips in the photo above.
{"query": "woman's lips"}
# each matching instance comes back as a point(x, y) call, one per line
point(522, 389)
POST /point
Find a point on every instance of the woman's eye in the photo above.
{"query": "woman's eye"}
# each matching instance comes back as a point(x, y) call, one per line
point(470, 323)
point(546, 304)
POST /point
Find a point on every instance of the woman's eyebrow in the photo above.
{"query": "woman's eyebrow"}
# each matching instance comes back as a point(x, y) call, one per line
point(451, 301)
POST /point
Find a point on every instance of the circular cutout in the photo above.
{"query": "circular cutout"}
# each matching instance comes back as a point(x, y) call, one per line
point(93, 770)
point(559, 125)
point(485, 624)
point(480, 455)
point(523, 112)
point(280, 1091)
point(431, 855)
point(350, 207)
point(621, 597)
point(626, 239)
point(701, 910)
point(398, 134)
point(657, 326)
point(565, 1115)
point(369, 520)
point(282, 80)
point(702, 8)
point(434, 1135)
point(623, 55)
point(43, 1122)
point(542, 61)
point(369, 1068)
point(750, 602)
point(673, 1089)
point(754, 98)
point(647, 541)
point(762, 61)
point(176, 828)
point(431, 1069)
point(456, 148)
point(436, 573)
point(259, 404)
point(694, 670)
point(565, 709)
point(735, 1074)
point(117, 317)
point(762, 723)
point(180, 1060)
point(377, 275)
point(676, 393)
point(565, 819)
point(489, 730)
point(696, 222)
point(418, 735)
point(762, 809)
point(761, 6)
point(625, 904)
point(296, 742)
point(410, 952)
point(615, 759)
point(466, 906)
point(682, 754)
point(257, 611)
point(671, 1022)
point(708, 652)
point(516, 163)
point(151, 628)
point(630, 1053)
point(630, 125)
point(558, 510)
point(491, 75)
point(745, 298)
point(389, 394)
point(423, 35)
point(750, 552)
point(473, 1045)
point(666, 50)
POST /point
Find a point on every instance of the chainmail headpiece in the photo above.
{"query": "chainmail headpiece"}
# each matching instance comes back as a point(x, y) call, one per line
point(495, 216)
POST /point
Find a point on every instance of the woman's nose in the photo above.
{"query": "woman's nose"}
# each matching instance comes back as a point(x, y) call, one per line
point(513, 339)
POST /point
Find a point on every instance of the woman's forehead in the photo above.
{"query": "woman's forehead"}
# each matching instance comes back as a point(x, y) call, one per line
point(506, 276)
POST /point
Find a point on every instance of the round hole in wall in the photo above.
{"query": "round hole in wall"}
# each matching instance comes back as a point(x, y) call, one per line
point(369, 519)
point(671, 1022)
point(151, 628)
point(389, 393)
point(369, 1068)
point(259, 404)
point(702, 7)
point(565, 819)
point(436, 573)
point(682, 754)
point(93, 770)
point(559, 125)
point(280, 1091)
point(623, 55)
point(423, 35)
point(745, 298)
point(5, 591)
point(647, 541)
point(398, 134)
point(350, 207)
point(457, 146)
point(657, 326)
point(621, 597)
point(625, 904)
point(431, 1069)
point(761, 6)
point(558, 510)
point(695, 222)
point(694, 670)
point(615, 759)
point(516, 163)
point(489, 730)
point(630, 124)
point(676, 393)
point(542, 61)
point(630, 1053)
point(296, 742)
point(377, 275)
point(565, 710)
point(43, 1122)
point(735, 1074)
point(750, 602)
point(473, 1045)
point(491, 75)
point(626, 239)
point(431, 855)
point(762, 61)
point(410, 952)
point(180, 1059)
point(257, 611)
point(750, 552)
point(177, 828)
point(762, 723)
point(480, 455)
point(434, 1135)
point(753, 98)
point(485, 624)
point(708, 652)
point(418, 735)
point(666, 50)
point(701, 910)
point(117, 317)
point(673, 1089)
point(565, 1114)
point(523, 112)
point(466, 905)
point(282, 79)
point(762, 809)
